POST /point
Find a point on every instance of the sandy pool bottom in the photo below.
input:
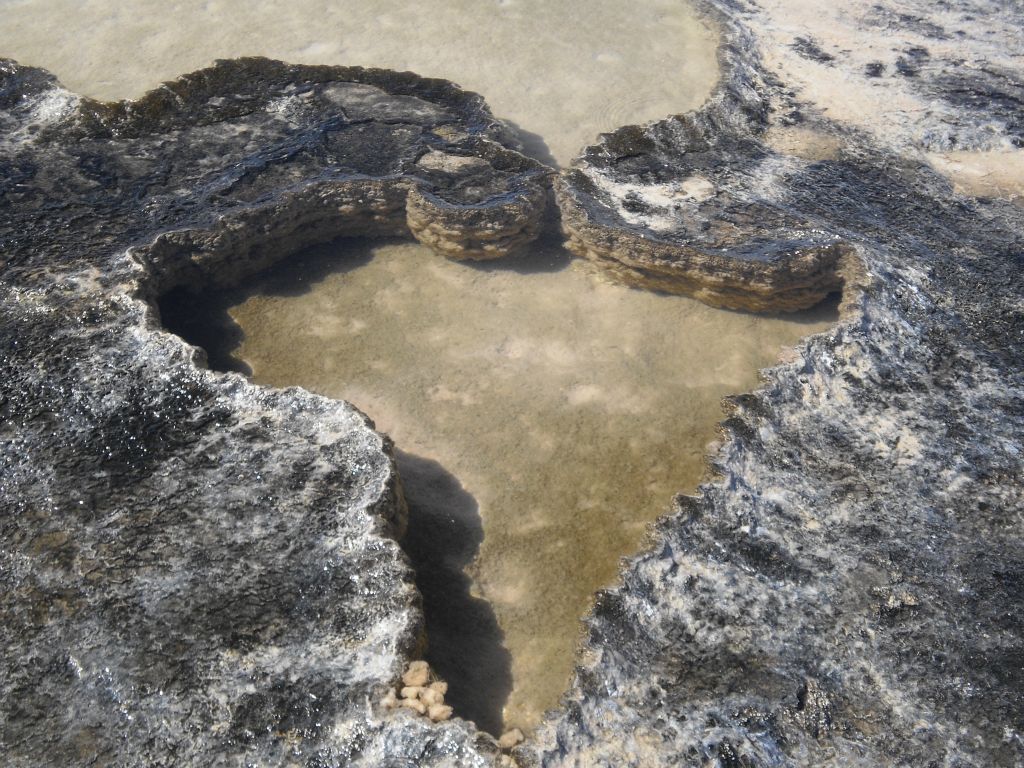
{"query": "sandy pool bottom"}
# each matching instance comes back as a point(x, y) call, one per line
point(543, 416)
point(563, 71)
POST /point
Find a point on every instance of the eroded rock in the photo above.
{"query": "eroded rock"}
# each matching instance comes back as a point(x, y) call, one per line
point(686, 206)
point(844, 595)
point(196, 570)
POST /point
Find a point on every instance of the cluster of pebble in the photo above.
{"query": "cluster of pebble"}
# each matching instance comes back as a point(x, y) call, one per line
point(419, 694)
point(426, 697)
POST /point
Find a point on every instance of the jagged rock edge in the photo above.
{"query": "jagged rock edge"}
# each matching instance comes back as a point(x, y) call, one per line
point(796, 276)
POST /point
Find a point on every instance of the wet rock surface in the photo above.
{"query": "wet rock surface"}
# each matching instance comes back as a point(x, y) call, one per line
point(198, 570)
point(688, 206)
point(698, 205)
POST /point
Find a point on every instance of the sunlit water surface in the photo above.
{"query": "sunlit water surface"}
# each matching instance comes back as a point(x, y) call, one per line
point(564, 71)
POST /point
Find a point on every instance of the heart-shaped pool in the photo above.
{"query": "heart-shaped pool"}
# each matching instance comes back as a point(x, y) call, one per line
point(543, 415)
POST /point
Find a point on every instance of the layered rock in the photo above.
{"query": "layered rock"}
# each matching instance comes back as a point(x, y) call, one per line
point(697, 204)
point(688, 207)
point(845, 593)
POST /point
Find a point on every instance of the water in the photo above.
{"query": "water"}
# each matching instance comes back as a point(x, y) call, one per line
point(545, 417)
point(562, 71)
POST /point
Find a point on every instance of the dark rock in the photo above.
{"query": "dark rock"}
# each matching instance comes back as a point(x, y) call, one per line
point(811, 50)
point(892, 17)
point(196, 570)
point(992, 91)
point(910, 64)
point(832, 599)
point(679, 207)
point(199, 571)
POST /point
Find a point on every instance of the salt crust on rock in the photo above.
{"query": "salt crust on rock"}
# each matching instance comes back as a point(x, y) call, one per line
point(698, 204)
point(847, 594)
point(198, 570)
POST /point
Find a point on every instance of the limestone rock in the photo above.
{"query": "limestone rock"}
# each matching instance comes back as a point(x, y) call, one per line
point(201, 571)
point(510, 738)
point(416, 676)
point(845, 594)
point(686, 206)
point(439, 712)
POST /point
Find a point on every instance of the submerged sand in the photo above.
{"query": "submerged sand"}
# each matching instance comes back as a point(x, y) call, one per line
point(560, 411)
point(562, 71)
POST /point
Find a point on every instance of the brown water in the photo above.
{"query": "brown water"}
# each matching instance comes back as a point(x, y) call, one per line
point(564, 71)
point(545, 417)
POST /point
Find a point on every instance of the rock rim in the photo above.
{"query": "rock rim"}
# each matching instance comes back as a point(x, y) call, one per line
point(197, 570)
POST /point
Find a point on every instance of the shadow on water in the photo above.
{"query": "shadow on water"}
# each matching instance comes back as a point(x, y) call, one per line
point(445, 532)
point(533, 144)
point(298, 274)
point(203, 321)
point(826, 310)
point(465, 643)
point(545, 254)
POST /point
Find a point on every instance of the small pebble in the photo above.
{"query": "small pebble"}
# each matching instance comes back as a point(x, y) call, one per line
point(510, 738)
point(440, 686)
point(429, 696)
point(412, 691)
point(415, 705)
point(418, 674)
point(439, 712)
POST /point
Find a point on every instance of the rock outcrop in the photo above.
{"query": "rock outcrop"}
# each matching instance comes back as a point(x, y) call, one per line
point(846, 593)
point(195, 570)
point(688, 206)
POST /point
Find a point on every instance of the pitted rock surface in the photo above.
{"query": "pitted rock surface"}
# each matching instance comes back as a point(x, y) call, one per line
point(198, 570)
point(334, 151)
point(697, 204)
point(687, 206)
point(846, 594)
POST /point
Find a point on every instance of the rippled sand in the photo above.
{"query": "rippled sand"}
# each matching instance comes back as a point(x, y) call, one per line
point(558, 410)
point(563, 71)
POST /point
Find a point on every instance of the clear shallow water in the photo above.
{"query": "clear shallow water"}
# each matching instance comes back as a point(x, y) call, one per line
point(544, 416)
point(563, 71)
